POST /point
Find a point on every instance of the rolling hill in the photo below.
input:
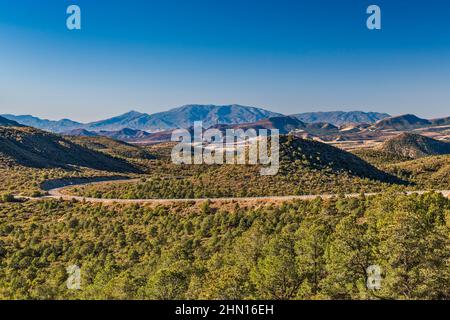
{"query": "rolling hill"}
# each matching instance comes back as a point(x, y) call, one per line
point(339, 118)
point(415, 146)
point(31, 147)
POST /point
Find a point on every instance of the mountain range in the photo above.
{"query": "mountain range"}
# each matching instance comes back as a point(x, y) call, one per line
point(185, 116)
point(182, 117)
point(139, 127)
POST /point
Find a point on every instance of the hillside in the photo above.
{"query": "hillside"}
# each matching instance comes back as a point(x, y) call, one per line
point(38, 149)
point(415, 146)
point(431, 172)
point(339, 118)
point(8, 123)
point(323, 156)
point(112, 147)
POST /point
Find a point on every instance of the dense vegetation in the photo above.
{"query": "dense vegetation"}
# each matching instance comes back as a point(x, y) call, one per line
point(379, 157)
point(299, 250)
point(429, 172)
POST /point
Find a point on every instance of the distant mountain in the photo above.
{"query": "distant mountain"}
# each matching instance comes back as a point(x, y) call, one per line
point(36, 148)
point(8, 123)
point(339, 118)
point(125, 134)
point(131, 120)
point(440, 121)
point(321, 128)
point(43, 124)
point(284, 124)
point(79, 133)
point(322, 156)
point(415, 146)
point(183, 117)
point(121, 135)
point(403, 122)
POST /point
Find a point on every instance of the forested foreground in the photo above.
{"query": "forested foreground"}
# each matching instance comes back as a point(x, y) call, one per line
point(298, 250)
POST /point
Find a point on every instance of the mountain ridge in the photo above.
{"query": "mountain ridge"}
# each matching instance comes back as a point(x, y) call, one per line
point(339, 118)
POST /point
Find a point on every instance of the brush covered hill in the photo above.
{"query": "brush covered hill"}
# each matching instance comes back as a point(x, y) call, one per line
point(31, 147)
point(321, 156)
point(306, 167)
point(415, 146)
point(431, 172)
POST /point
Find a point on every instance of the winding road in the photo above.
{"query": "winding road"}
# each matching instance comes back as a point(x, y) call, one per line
point(56, 193)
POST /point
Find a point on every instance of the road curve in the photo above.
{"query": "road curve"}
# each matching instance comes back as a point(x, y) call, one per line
point(56, 193)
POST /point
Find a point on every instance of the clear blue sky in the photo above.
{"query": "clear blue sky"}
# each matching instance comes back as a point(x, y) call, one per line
point(286, 56)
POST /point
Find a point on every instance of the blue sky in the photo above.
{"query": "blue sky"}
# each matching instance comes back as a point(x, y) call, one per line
point(286, 56)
